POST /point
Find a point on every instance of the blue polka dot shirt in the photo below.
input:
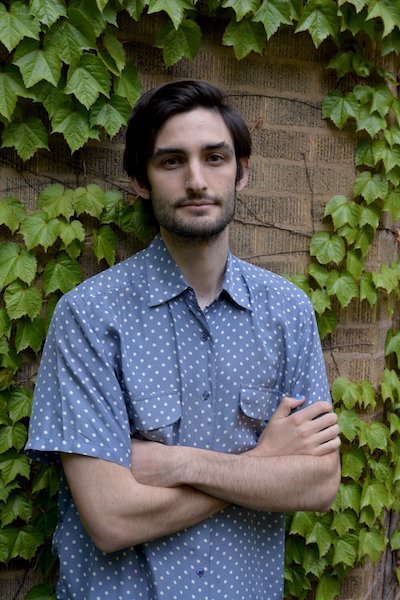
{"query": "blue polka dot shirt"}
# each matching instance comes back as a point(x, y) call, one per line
point(130, 353)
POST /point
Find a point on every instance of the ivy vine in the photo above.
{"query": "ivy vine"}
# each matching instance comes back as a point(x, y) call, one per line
point(64, 70)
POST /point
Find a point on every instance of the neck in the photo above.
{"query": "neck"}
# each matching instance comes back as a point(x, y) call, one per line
point(201, 262)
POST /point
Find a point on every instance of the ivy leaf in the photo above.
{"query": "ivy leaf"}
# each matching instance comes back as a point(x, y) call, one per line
point(29, 334)
point(344, 521)
point(113, 55)
point(339, 108)
point(387, 278)
point(17, 24)
point(364, 239)
point(328, 588)
point(320, 301)
point(74, 125)
point(55, 200)
point(311, 561)
point(318, 273)
point(12, 436)
point(179, 43)
point(390, 385)
point(245, 37)
point(342, 63)
point(68, 41)
point(21, 300)
point(392, 344)
point(19, 403)
point(355, 263)
point(111, 115)
point(128, 84)
point(364, 154)
point(17, 507)
point(327, 247)
point(370, 186)
point(394, 422)
point(26, 137)
point(374, 435)
point(388, 11)
point(372, 543)
point(392, 204)
point(327, 323)
point(13, 464)
point(11, 86)
point(370, 215)
point(348, 496)
point(37, 62)
point(272, 14)
point(104, 244)
point(16, 263)
point(5, 324)
point(241, 7)
point(61, 273)
point(382, 99)
point(86, 17)
point(135, 8)
point(71, 232)
point(89, 200)
point(175, 10)
point(88, 79)
point(370, 122)
point(367, 395)
point(47, 478)
point(345, 391)
point(44, 591)
point(343, 285)
point(38, 229)
point(320, 19)
point(342, 212)
point(12, 211)
point(321, 536)
point(367, 289)
point(353, 463)
point(26, 543)
point(47, 11)
point(302, 523)
point(345, 550)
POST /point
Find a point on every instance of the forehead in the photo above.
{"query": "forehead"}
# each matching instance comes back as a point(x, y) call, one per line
point(199, 127)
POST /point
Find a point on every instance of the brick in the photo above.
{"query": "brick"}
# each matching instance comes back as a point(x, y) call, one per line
point(292, 212)
point(279, 143)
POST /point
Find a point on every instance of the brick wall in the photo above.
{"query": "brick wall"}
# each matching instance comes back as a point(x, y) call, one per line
point(299, 163)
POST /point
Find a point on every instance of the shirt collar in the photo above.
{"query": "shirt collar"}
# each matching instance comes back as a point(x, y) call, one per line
point(166, 281)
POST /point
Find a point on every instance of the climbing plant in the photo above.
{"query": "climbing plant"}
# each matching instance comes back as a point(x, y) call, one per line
point(65, 71)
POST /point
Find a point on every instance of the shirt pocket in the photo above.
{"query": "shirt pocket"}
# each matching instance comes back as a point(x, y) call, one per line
point(157, 417)
point(257, 405)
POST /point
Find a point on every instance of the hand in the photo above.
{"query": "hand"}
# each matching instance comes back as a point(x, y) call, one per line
point(156, 464)
point(312, 430)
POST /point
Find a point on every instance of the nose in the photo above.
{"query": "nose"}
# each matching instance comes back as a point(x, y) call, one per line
point(195, 178)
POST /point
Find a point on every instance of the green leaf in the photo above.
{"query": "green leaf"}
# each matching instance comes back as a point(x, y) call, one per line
point(364, 154)
point(272, 14)
point(26, 137)
point(39, 230)
point(312, 563)
point(367, 395)
point(348, 496)
point(16, 263)
point(372, 543)
point(370, 186)
point(11, 86)
point(241, 7)
point(367, 289)
point(128, 84)
point(5, 323)
point(47, 478)
point(393, 345)
point(364, 239)
point(339, 108)
point(320, 19)
point(29, 334)
point(89, 200)
point(390, 385)
point(71, 232)
point(12, 211)
point(26, 543)
point(386, 10)
point(355, 263)
point(345, 391)
point(61, 273)
point(68, 41)
point(387, 278)
point(302, 523)
point(74, 125)
point(328, 587)
point(321, 536)
point(135, 8)
point(17, 507)
point(345, 521)
point(44, 591)
point(245, 37)
point(395, 540)
point(55, 200)
point(370, 122)
point(320, 300)
point(343, 285)
point(88, 79)
point(21, 300)
point(345, 550)
point(111, 115)
point(327, 323)
point(342, 212)
point(12, 436)
point(350, 424)
point(85, 16)
point(113, 55)
point(375, 436)
point(175, 9)
point(13, 464)
point(17, 24)
point(318, 273)
point(370, 215)
point(37, 63)
point(392, 204)
point(353, 460)
point(394, 422)
point(179, 43)
point(327, 247)
point(19, 403)
point(342, 62)
point(48, 11)
point(104, 244)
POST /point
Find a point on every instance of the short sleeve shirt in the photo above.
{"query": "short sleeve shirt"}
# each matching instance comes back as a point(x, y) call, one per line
point(130, 354)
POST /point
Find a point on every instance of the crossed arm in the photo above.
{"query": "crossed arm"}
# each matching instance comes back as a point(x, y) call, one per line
point(295, 466)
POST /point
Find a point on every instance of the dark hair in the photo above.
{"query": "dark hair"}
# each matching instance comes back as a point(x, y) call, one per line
point(157, 105)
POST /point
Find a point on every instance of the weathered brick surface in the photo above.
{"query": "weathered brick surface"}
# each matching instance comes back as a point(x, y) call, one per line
point(300, 161)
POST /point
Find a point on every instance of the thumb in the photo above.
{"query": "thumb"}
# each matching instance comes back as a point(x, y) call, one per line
point(288, 403)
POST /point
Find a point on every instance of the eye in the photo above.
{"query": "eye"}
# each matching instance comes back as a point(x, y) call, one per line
point(215, 158)
point(171, 162)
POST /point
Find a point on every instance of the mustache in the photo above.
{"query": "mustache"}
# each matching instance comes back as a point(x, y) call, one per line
point(207, 198)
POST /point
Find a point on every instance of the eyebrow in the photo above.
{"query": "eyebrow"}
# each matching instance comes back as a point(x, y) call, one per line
point(207, 148)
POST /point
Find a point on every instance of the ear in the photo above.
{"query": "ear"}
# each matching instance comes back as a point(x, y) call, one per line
point(242, 182)
point(140, 190)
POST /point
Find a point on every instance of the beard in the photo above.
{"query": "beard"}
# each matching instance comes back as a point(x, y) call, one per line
point(195, 228)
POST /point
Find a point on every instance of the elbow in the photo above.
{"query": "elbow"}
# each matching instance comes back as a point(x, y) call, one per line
point(329, 485)
point(111, 535)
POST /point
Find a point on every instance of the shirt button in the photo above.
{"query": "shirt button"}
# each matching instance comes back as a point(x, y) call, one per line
point(204, 337)
point(200, 571)
point(206, 395)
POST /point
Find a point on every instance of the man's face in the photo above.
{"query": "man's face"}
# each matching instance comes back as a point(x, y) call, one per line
point(192, 175)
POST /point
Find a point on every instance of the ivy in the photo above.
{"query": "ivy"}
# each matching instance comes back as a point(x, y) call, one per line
point(65, 71)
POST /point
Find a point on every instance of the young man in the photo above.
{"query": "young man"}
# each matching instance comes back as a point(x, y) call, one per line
point(170, 383)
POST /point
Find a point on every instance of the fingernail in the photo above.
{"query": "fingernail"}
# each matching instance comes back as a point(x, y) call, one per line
point(298, 396)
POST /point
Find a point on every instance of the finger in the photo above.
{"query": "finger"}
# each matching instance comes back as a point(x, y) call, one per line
point(330, 446)
point(317, 409)
point(287, 404)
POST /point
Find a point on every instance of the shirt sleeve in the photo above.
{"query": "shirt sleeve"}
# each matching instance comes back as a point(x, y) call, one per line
point(78, 404)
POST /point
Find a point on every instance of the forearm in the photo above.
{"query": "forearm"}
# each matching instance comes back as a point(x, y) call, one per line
point(118, 512)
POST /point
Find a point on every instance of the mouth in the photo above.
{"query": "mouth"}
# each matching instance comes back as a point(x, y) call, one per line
point(197, 202)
